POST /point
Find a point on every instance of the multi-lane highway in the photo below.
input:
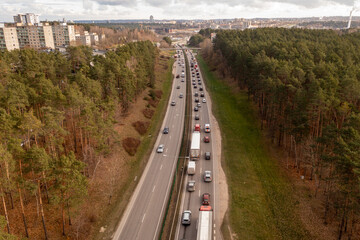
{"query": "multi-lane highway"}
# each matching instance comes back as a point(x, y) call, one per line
point(143, 216)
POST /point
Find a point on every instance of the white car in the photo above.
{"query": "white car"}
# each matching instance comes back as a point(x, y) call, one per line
point(160, 149)
point(204, 100)
point(207, 176)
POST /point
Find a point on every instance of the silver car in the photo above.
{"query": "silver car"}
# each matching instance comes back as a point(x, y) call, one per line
point(207, 176)
point(160, 149)
point(191, 186)
point(186, 217)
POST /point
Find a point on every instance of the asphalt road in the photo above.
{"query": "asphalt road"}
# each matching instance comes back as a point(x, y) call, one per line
point(143, 216)
point(193, 200)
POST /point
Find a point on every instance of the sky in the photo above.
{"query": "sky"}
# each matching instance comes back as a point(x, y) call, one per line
point(174, 9)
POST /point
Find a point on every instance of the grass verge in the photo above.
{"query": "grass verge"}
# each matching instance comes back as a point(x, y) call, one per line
point(116, 210)
point(261, 203)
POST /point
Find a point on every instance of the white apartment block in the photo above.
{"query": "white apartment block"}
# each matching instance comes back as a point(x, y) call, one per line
point(94, 38)
point(84, 39)
point(8, 38)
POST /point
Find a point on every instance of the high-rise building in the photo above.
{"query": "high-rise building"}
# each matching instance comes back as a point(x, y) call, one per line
point(27, 19)
point(35, 36)
point(8, 38)
point(64, 35)
point(152, 19)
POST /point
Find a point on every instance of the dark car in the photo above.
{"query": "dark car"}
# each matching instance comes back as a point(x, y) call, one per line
point(178, 76)
point(166, 130)
point(207, 155)
point(206, 199)
point(202, 94)
point(178, 87)
point(197, 117)
point(195, 86)
point(196, 100)
point(200, 88)
point(196, 94)
point(207, 139)
point(196, 109)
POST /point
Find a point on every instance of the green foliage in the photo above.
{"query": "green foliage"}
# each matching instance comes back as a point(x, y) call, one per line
point(167, 40)
point(195, 40)
point(57, 114)
point(260, 204)
point(307, 86)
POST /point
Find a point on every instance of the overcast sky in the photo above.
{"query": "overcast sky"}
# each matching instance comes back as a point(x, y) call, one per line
point(173, 9)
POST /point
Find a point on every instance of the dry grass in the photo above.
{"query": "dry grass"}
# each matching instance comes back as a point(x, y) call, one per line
point(141, 127)
point(148, 113)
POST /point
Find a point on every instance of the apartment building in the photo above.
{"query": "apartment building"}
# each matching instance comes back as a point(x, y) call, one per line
point(8, 38)
point(63, 34)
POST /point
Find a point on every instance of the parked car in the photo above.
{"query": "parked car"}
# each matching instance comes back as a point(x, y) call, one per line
point(206, 139)
point(160, 148)
point(207, 155)
point(207, 176)
point(191, 186)
point(166, 130)
point(186, 217)
point(206, 199)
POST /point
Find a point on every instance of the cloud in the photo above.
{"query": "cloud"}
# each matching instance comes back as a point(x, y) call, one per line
point(124, 3)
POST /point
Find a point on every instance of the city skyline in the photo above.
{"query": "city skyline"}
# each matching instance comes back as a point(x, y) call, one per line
point(174, 9)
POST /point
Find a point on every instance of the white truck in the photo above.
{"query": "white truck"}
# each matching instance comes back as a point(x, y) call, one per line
point(195, 146)
point(191, 168)
point(204, 228)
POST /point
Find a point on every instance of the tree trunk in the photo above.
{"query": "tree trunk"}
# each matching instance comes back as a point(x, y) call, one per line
point(23, 212)
point(5, 210)
point(42, 211)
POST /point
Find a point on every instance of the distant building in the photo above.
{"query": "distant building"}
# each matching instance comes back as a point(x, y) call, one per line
point(94, 38)
point(152, 19)
point(27, 19)
point(84, 39)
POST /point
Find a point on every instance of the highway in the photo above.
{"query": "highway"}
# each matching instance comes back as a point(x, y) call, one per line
point(193, 200)
point(144, 214)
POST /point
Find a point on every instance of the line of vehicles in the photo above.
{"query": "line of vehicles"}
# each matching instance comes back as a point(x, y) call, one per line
point(204, 222)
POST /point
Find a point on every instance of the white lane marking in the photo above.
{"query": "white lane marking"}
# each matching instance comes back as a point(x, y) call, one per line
point(170, 136)
point(154, 188)
point(166, 150)
point(199, 192)
point(164, 155)
point(161, 166)
point(143, 218)
point(200, 170)
point(173, 126)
